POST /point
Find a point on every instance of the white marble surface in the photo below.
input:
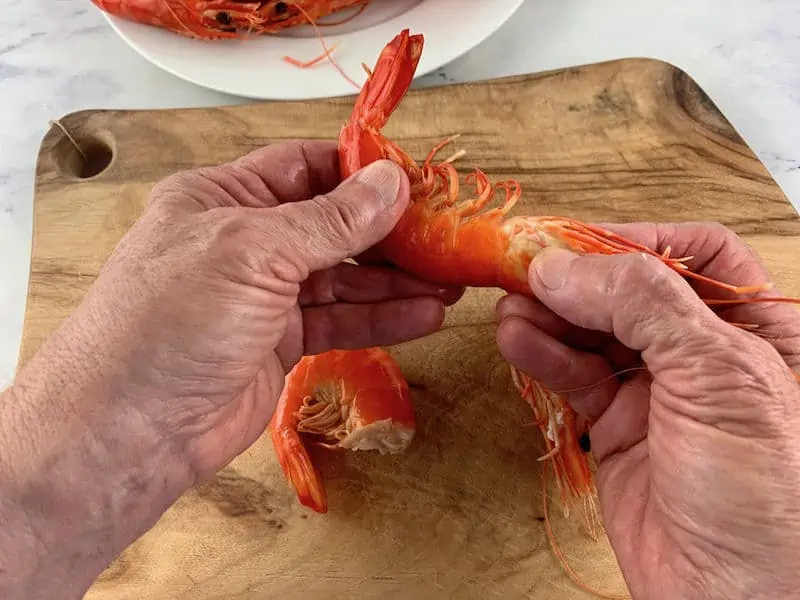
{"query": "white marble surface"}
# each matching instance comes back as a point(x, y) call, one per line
point(58, 56)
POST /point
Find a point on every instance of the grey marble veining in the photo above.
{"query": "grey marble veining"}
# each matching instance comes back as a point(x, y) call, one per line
point(59, 56)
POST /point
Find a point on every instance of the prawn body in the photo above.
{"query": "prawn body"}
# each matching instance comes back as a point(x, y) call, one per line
point(461, 241)
point(434, 238)
point(350, 399)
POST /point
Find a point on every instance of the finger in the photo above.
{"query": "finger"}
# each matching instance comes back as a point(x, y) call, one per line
point(549, 322)
point(290, 347)
point(356, 284)
point(620, 357)
point(585, 380)
point(320, 233)
point(705, 369)
point(715, 251)
point(295, 170)
point(721, 254)
point(354, 326)
point(635, 297)
point(283, 172)
point(624, 423)
point(617, 413)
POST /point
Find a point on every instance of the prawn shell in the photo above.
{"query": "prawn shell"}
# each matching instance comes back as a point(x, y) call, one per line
point(369, 390)
point(369, 382)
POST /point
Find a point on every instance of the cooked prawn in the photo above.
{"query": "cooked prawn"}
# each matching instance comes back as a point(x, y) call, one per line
point(351, 399)
point(237, 19)
point(448, 240)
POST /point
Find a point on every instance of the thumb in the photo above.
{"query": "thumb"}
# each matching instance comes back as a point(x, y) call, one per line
point(731, 378)
point(359, 213)
point(635, 297)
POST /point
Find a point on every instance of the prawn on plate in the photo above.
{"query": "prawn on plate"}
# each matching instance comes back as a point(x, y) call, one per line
point(237, 19)
point(224, 19)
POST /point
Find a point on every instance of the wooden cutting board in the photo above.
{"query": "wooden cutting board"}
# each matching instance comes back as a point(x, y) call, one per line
point(459, 515)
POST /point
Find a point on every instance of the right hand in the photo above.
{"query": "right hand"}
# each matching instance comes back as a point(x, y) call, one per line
point(699, 451)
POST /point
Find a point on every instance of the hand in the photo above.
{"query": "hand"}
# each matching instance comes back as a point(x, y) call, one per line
point(698, 452)
point(173, 363)
point(230, 276)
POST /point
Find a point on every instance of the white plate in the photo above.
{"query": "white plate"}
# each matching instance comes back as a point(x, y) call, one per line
point(254, 68)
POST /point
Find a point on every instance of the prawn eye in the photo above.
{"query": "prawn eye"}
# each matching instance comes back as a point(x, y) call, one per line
point(223, 18)
point(585, 443)
point(281, 8)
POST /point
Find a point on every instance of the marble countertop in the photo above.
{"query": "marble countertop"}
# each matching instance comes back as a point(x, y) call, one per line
point(61, 56)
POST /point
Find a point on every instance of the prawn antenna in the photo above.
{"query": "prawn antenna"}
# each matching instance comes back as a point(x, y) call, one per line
point(597, 383)
point(327, 51)
point(560, 555)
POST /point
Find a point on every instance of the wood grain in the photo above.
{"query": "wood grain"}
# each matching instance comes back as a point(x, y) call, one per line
point(459, 515)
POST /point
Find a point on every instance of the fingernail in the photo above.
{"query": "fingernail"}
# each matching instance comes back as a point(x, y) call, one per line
point(551, 266)
point(382, 176)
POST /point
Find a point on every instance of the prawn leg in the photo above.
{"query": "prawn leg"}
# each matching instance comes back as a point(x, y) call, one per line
point(298, 468)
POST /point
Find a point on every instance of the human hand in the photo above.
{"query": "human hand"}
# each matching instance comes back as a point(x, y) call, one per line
point(174, 361)
point(698, 452)
point(232, 273)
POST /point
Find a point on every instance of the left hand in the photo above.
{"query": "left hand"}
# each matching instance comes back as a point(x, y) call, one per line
point(232, 274)
point(173, 363)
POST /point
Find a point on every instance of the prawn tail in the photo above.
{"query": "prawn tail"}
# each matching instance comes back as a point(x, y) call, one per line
point(388, 83)
point(360, 140)
point(299, 470)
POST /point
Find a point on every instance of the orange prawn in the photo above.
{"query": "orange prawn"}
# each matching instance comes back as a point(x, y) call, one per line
point(236, 19)
point(220, 19)
point(460, 242)
point(351, 399)
point(448, 240)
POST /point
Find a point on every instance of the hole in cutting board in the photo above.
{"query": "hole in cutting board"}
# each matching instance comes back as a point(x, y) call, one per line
point(98, 157)
point(83, 156)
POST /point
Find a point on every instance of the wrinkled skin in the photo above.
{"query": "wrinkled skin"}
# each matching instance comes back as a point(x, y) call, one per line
point(210, 298)
point(699, 460)
point(173, 363)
